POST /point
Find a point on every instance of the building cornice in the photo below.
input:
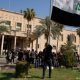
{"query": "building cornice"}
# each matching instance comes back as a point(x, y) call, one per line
point(2, 9)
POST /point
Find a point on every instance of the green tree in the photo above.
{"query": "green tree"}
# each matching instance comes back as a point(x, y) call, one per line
point(3, 28)
point(56, 30)
point(36, 34)
point(29, 14)
point(68, 51)
point(78, 33)
point(71, 37)
point(46, 28)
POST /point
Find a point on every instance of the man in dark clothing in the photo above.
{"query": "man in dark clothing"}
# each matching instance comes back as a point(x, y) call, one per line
point(47, 59)
point(20, 55)
point(13, 55)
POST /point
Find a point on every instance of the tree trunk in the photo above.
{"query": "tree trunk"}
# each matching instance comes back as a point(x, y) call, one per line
point(27, 37)
point(37, 44)
point(49, 36)
point(32, 45)
point(57, 44)
point(46, 40)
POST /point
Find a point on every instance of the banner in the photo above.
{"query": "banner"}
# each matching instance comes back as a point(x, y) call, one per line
point(66, 12)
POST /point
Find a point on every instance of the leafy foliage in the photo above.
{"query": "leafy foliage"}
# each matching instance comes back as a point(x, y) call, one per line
point(56, 29)
point(78, 31)
point(44, 28)
point(3, 29)
point(68, 51)
point(22, 68)
point(29, 14)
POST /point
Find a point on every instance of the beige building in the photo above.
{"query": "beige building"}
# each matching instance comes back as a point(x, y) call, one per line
point(18, 28)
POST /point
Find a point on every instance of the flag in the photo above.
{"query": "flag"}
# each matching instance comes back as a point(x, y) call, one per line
point(66, 12)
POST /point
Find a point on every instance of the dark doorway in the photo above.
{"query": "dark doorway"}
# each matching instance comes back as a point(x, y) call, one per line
point(7, 43)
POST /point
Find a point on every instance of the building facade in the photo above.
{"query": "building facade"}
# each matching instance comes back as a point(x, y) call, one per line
point(18, 30)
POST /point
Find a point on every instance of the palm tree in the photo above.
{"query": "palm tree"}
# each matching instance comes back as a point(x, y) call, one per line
point(37, 33)
point(3, 28)
point(46, 25)
point(56, 31)
point(78, 33)
point(29, 14)
point(49, 27)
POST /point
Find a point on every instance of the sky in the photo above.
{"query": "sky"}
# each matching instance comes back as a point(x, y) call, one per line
point(41, 7)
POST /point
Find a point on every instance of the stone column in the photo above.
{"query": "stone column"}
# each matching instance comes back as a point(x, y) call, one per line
point(2, 44)
point(15, 42)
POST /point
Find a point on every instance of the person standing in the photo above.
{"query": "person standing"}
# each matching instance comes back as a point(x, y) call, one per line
point(47, 59)
point(13, 55)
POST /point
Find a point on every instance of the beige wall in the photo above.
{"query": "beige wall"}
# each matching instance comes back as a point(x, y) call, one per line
point(18, 17)
point(54, 42)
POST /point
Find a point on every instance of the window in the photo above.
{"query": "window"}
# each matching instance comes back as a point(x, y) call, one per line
point(61, 37)
point(72, 38)
point(8, 23)
point(18, 26)
point(54, 37)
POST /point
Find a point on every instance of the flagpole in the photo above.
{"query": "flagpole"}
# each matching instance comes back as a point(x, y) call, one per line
point(50, 18)
point(50, 8)
point(9, 5)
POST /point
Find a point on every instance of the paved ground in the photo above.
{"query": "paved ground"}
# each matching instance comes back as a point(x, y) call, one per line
point(4, 65)
point(3, 60)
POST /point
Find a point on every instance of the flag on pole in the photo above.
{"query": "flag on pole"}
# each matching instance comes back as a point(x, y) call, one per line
point(66, 12)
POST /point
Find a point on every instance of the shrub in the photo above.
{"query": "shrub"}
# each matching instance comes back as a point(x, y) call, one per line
point(22, 68)
point(69, 58)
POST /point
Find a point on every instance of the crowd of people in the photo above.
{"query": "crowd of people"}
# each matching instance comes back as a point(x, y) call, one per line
point(32, 56)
